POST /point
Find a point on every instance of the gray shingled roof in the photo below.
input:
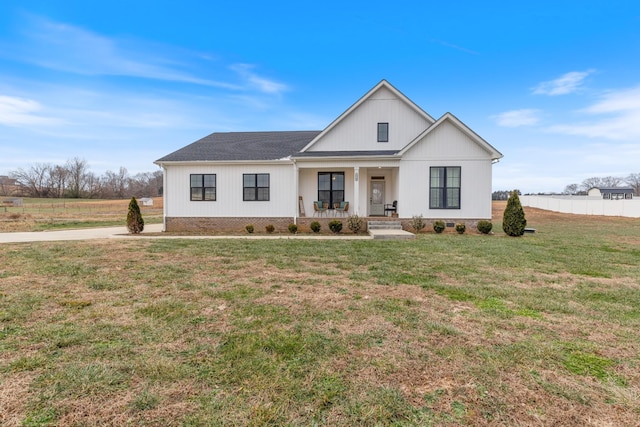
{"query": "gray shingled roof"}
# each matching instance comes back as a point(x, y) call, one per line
point(228, 146)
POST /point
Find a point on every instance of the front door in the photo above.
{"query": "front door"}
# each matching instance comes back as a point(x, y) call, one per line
point(376, 198)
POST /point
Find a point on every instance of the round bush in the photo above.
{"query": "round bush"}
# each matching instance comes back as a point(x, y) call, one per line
point(315, 226)
point(293, 229)
point(461, 228)
point(270, 228)
point(438, 226)
point(335, 226)
point(484, 226)
point(249, 228)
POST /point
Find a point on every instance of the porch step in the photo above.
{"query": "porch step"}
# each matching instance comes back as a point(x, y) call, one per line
point(389, 230)
point(384, 225)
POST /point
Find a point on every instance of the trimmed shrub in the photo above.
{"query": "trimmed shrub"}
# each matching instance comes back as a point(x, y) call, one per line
point(249, 228)
point(354, 223)
point(315, 226)
point(461, 227)
point(293, 228)
point(417, 223)
point(438, 226)
point(135, 223)
point(269, 228)
point(484, 226)
point(335, 226)
point(513, 220)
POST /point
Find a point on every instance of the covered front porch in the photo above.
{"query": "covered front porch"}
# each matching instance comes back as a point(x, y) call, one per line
point(370, 190)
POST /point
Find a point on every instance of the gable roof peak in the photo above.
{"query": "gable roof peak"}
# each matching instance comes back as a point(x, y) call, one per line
point(365, 97)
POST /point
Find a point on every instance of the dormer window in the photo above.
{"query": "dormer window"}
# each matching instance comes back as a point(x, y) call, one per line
point(383, 132)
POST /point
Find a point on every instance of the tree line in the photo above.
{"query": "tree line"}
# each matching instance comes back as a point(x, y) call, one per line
point(74, 180)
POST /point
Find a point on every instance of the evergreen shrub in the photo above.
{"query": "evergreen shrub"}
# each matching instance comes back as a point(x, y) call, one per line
point(135, 223)
point(513, 220)
point(335, 226)
point(484, 226)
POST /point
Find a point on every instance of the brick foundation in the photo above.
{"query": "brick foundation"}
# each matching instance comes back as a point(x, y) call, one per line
point(281, 224)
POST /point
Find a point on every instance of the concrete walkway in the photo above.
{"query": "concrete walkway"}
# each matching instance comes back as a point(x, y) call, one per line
point(77, 234)
point(123, 233)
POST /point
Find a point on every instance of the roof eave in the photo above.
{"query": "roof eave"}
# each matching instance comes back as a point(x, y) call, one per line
point(286, 160)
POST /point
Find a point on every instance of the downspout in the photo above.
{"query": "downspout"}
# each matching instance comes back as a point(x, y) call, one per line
point(165, 203)
point(296, 197)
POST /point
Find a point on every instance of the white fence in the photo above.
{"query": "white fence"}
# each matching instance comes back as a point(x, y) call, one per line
point(584, 205)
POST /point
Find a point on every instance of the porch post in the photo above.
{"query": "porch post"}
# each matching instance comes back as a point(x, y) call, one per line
point(356, 190)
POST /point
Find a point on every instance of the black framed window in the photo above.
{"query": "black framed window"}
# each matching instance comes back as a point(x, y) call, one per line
point(256, 187)
point(383, 132)
point(331, 187)
point(203, 187)
point(444, 187)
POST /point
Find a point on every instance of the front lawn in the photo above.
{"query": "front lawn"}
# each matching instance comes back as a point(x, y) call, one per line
point(441, 330)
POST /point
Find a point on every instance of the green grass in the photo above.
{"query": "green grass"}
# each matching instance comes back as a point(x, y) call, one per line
point(441, 330)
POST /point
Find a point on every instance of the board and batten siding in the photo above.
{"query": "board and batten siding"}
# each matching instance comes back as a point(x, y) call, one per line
point(229, 191)
point(359, 131)
point(446, 146)
point(475, 190)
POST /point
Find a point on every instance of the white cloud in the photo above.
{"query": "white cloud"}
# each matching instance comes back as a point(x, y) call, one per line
point(72, 49)
point(617, 101)
point(567, 83)
point(255, 81)
point(21, 111)
point(621, 121)
point(517, 118)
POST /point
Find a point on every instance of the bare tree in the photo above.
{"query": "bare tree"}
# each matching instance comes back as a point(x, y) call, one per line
point(92, 185)
point(115, 183)
point(35, 180)
point(571, 189)
point(590, 183)
point(611, 181)
point(58, 176)
point(633, 181)
point(77, 169)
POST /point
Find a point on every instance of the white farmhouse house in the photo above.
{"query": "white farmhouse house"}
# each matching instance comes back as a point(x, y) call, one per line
point(383, 149)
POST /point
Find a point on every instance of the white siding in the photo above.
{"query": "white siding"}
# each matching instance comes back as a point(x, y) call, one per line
point(446, 142)
point(229, 203)
point(446, 145)
point(359, 130)
point(475, 188)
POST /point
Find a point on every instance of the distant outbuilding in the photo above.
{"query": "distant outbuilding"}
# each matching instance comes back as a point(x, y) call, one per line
point(614, 193)
point(12, 201)
point(146, 201)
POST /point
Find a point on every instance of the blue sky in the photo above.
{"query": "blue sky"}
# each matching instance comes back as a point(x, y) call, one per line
point(555, 86)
